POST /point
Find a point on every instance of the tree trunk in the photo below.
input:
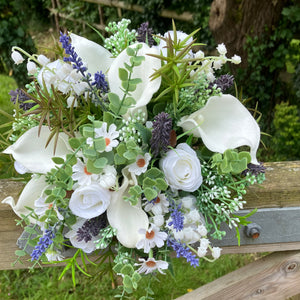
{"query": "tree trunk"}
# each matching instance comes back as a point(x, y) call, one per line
point(231, 21)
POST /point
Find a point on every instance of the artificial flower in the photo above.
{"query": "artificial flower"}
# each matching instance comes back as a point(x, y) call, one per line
point(109, 136)
point(140, 165)
point(216, 252)
point(32, 191)
point(108, 177)
point(159, 205)
point(31, 67)
point(40, 207)
point(95, 57)
point(150, 265)
point(31, 152)
point(151, 238)
point(124, 217)
point(81, 175)
point(17, 57)
point(144, 90)
point(89, 201)
point(182, 168)
point(224, 123)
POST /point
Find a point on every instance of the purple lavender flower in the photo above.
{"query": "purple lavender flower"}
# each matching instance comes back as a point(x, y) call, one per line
point(100, 82)
point(73, 57)
point(182, 251)
point(177, 217)
point(162, 127)
point(224, 82)
point(145, 34)
point(45, 241)
point(20, 96)
point(91, 228)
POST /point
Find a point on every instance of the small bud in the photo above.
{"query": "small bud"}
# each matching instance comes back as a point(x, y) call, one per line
point(216, 252)
point(31, 67)
point(236, 59)
point(222, 49)
point(43, 60)
point(17, 57)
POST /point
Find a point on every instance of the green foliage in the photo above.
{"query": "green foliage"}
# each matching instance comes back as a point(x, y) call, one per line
point(231, 161)
point(14, 32)
point(286, 140)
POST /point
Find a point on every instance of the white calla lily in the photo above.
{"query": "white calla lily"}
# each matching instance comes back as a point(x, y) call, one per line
point(124, 217)
point(95, 57)
point(224, 123)
point(31, 192)
point(144, 90)
point(29, 150)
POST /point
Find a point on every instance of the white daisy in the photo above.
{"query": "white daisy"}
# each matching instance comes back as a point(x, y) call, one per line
point(150, 265)
point(40, 208)
point(140, 165)
point(53, 255)
point(152, 237)
point(109, 136)
point(81, 175)
point(158, 206)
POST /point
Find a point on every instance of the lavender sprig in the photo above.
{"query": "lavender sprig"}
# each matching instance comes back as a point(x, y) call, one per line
point(45, 241)
point(177, 217)
point(182, 251)
point(161, 132)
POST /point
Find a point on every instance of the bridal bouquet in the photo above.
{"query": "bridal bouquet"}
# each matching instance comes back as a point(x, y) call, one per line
point(135, 149)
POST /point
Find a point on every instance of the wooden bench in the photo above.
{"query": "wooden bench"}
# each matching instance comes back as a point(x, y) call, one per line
point(275, 276)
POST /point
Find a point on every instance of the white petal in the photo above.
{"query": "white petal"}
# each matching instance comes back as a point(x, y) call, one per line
point(224, 123)
point(31, 192)
point(145, 90)
point(94, 56)
point(127, 219)
point(29, 150)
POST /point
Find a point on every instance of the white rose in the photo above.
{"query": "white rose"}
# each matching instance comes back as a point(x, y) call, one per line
point(89, 201)
point(182, 168)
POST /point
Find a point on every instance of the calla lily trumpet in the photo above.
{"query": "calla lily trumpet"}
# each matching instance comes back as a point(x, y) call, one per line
point(124, 217)
point(224, 123)
point(144, 90)
point(31, 192)
point(95, 57)
point(30, 152)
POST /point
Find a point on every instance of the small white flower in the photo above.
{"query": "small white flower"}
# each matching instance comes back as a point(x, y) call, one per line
point(216, 252)
point(81, 175)
point(218, 64)
point(193, 216)
point(17, 57)
point(158, 206)
point(199, 54)
point(80, 87)
point(222, 49)
point(31, 67)
point(108, 177)
point(204, 243)
point(40, 207)
point(201, 251)
point(149, 124)
point(158, 220)
point(201, 229)
point(109, 136)
point(188, 201)
point(190, 235)
point(236, 59)
point(150, 265)
point(71, 100)
point(140, 165)
point(53, 255)
point(152, 237)
point(43, 60)
point(210, 77)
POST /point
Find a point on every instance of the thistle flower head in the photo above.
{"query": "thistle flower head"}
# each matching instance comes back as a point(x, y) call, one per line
point(20, 96)
point(145, 34)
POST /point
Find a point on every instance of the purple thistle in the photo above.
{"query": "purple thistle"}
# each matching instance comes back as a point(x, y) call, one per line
point(254, 169)
point(91, 228)
point(45, 241)
point(73, 57)
point(100, 82)
point(161, 133)
point(145, 34)
point(177, 218)
point(182, 251)
point(224, 82)
point(20, 96)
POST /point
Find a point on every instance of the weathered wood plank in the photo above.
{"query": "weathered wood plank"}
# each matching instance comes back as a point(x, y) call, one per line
point(273, 277)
